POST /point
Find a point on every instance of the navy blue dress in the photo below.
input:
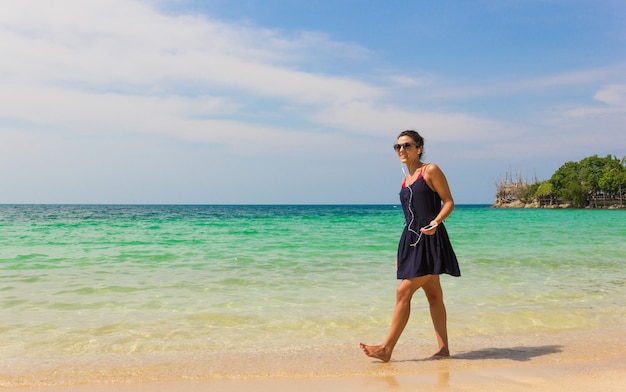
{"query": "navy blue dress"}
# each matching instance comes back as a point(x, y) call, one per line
point(432, 254)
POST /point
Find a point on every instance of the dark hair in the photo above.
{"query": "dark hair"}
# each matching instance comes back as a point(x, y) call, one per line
point(417, 138)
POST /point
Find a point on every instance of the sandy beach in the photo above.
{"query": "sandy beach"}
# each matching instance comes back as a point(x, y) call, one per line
point(569, 361)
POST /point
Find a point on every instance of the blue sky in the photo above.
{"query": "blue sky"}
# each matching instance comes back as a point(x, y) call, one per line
point(285, 101)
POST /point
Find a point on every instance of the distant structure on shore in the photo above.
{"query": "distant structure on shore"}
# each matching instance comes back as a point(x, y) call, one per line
point(513, 192)
point(510, 191)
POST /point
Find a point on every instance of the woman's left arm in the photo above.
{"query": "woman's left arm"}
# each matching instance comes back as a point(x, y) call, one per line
point(438, 182)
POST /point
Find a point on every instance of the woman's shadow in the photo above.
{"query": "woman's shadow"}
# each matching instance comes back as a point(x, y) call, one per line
point(520, 354)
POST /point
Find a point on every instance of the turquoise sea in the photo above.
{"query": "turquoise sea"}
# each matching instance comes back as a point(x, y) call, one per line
point(89, 283)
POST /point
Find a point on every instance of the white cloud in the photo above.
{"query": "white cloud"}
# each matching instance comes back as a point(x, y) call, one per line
point(106, 43)
point(385, 120)
point(613, 95)
point(107, 66)
point(567, 79)
point(612, 99)
point(404, 81)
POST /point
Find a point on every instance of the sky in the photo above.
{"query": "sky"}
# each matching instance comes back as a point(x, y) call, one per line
point(300, 102)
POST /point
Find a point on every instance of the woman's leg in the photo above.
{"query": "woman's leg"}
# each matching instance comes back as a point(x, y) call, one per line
point(401, 313)
point(434, 293)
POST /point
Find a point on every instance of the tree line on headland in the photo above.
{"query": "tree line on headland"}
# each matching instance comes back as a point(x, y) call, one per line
point(593, 182)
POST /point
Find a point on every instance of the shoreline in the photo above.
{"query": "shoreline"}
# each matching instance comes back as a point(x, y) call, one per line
point(534, 204)
point(582, 360)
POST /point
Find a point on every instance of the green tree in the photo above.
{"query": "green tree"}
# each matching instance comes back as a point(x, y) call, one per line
point(530, 193)
point(537, 190)
point(613, 180)
point(566, 184)
point(591, 171)
point(544, 189)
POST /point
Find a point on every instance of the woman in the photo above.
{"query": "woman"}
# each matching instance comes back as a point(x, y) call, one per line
point(424, 251)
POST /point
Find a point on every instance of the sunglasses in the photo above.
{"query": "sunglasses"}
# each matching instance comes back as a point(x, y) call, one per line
point(406, 146)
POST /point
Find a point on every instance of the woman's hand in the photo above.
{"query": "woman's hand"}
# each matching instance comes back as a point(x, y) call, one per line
point(431, 228)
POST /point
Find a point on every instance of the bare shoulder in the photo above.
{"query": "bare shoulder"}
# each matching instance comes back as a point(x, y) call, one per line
point(432, 166)
point(432, 169)
point(434, 177)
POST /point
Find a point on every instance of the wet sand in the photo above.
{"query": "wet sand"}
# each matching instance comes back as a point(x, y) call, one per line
point(569, 361)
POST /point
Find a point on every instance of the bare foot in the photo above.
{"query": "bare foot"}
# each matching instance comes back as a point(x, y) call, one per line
point(378, 352)
point(441, 354)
